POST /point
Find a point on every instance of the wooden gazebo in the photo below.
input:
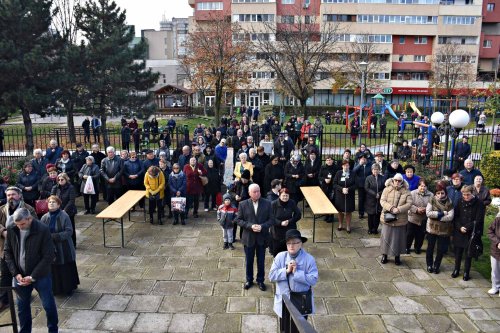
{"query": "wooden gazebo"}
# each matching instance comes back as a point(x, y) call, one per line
point(173, 100)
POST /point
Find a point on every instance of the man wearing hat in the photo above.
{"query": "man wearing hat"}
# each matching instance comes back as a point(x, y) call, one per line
point(462, 151)
point(382, 163)
point(293, 270)
point(255, 218)
point(151, 159)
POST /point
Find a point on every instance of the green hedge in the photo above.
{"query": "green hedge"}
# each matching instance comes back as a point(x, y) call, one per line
point(490, 168)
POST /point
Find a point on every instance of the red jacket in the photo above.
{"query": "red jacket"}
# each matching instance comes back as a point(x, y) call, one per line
point(193, 181)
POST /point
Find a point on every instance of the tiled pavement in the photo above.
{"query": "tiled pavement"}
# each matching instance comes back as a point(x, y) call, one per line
point(178, 279)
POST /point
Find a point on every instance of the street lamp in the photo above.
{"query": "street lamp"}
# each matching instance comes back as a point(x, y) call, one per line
point(457, 120)
point(362, 66)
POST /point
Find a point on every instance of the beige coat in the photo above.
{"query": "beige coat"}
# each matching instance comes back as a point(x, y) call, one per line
point(393, 197)
point(419, 201)
point(436, 226)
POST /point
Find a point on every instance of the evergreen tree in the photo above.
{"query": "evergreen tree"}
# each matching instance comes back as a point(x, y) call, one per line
point(28, 57)
point(114, 78)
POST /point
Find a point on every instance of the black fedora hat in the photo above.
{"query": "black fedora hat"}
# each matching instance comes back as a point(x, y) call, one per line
point(294, 233)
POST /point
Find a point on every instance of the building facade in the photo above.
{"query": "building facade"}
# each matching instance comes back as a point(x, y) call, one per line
point(408, 34)
point(165, 48)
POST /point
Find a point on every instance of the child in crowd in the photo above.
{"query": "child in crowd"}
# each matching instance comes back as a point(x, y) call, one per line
point(226, 215)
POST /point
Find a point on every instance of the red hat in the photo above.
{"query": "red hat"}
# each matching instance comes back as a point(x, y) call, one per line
point(50, 165)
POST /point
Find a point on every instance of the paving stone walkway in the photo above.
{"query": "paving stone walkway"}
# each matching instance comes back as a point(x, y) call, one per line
point(178, 279)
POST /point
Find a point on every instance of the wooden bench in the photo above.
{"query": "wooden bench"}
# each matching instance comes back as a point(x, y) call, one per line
point(116, 211)
point(319, 204)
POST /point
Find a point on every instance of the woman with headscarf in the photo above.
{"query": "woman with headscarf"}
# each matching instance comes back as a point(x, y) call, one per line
point(326, 174)
point(294, 177)
point(286, 215)
point(89, 169)
point(273, 170)
point(440, 213)
point(66, 192)
point(344, 184)
point(374, 186)
point(65, 165)
point(417, 216)
point(468, 225)
point(64, 272)
point(396, 200)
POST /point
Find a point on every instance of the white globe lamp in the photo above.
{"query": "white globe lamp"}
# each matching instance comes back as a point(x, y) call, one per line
point(437, 118)
point(459, 119)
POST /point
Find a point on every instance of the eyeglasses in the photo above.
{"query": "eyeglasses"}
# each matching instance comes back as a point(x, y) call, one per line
point(294, 243)
point(398, 180)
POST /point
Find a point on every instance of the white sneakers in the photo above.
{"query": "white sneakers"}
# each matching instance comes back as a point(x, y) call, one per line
point(493, 291)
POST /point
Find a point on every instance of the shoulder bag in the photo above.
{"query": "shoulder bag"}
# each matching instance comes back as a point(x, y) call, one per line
point(301, 299)
point(390, 217)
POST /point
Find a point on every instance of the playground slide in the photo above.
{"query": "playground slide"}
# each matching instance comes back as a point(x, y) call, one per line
point(391, 111)
point(414, 108)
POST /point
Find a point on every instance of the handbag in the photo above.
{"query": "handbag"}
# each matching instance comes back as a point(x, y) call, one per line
point(89, 186)
point(178, 204)
point(41, 207)
point(302, 300)
point(390, 217)
point(204, 180)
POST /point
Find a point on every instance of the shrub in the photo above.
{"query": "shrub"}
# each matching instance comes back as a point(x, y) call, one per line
point(9, 175)
point(490, 168)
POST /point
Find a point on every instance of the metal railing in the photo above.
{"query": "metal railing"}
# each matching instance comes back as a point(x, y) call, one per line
point(291, 320)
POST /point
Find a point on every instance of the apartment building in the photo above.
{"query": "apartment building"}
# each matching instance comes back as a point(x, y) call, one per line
point(165, 48)
point(408, 34)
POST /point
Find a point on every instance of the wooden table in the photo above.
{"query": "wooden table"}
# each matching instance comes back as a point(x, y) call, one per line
point(116, 211)
point(319, 204)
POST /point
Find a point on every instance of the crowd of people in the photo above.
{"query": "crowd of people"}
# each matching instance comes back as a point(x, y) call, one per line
point(269, 167)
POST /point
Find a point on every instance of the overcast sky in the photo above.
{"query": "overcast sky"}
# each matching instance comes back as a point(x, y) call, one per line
point(147, 14)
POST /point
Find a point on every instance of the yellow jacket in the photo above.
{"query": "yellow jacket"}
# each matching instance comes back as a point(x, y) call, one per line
point(155, 185)
point(247, 166)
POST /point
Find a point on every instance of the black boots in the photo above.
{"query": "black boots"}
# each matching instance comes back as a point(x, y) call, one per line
point(151, 219)
point(397, 260)
point(231, 246)
point(466, 276)
point(384, 259)
point(455, 273)
point(226, 246)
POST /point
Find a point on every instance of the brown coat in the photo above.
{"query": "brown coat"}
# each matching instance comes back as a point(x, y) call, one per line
point(419, 201)
point(393, 197)
point(494, 236)
point(3, 220)
point(443, 227)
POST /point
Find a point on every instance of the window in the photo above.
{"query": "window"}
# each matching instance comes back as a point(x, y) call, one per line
point(253, 18)
point(419, 58)
point(420, 40)
point(289, 19)
point(487, 43)
point(308, 19)
point(381, 76)
point(338, 18)
point(490, 7)
point(401, 39)
point(287, 2)
point(419, 76)
point(254, 1)
point(401, 58)
point(459, 20)
point(263, 75)
point(209, 6)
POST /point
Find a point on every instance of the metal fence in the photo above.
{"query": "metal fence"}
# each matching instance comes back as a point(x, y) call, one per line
point(330, 142)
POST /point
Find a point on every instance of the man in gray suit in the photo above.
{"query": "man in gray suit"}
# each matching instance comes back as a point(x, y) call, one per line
point(255, 218)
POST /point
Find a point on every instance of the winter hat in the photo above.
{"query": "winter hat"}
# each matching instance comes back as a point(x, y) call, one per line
point(245, 174)
point(226, 196)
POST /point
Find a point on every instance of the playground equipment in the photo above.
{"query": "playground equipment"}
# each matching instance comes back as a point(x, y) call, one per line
point(414, 108)
point(443, 105)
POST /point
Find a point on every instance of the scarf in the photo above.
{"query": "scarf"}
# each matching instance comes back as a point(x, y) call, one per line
point(442, 205)
point(282, 203)
point(296, 254)
point(53, 220)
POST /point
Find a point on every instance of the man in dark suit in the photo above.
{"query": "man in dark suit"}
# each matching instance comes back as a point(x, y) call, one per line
point(255, 218)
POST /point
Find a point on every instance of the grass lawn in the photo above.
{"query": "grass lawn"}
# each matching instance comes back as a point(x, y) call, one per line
point(483, 265)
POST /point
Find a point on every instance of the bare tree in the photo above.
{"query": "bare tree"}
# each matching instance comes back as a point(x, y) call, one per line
point(198, 76)
point(355, 49)
point(214, 59)
point(298, 49)
point(452, 68)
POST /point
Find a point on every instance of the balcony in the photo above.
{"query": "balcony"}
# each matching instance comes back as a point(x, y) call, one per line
point(411, 66)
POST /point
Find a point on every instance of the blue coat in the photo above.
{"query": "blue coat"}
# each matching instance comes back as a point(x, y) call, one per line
point(413, 182)
point(221, 153)
point(177, 184)
point(40, 166)
point(30, 180)
point(305, 276)
point(133, 168)
point(52, 156)
point(470, 175)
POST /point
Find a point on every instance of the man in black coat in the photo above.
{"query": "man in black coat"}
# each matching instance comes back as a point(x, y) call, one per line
point(255, 218)
point(29, 253)
point(462, 152)
point(283, 149)
point(312, 165)
point(111, 171)
point(361, 171)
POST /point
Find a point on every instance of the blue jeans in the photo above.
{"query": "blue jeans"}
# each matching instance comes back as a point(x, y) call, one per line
point(250, 252)
point(44, 288)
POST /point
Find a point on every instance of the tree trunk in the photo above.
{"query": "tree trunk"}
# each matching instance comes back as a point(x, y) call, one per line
point(104, 131)
point(304, 108)
point(218, 100)
point(28, 127)
point(71, 122)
